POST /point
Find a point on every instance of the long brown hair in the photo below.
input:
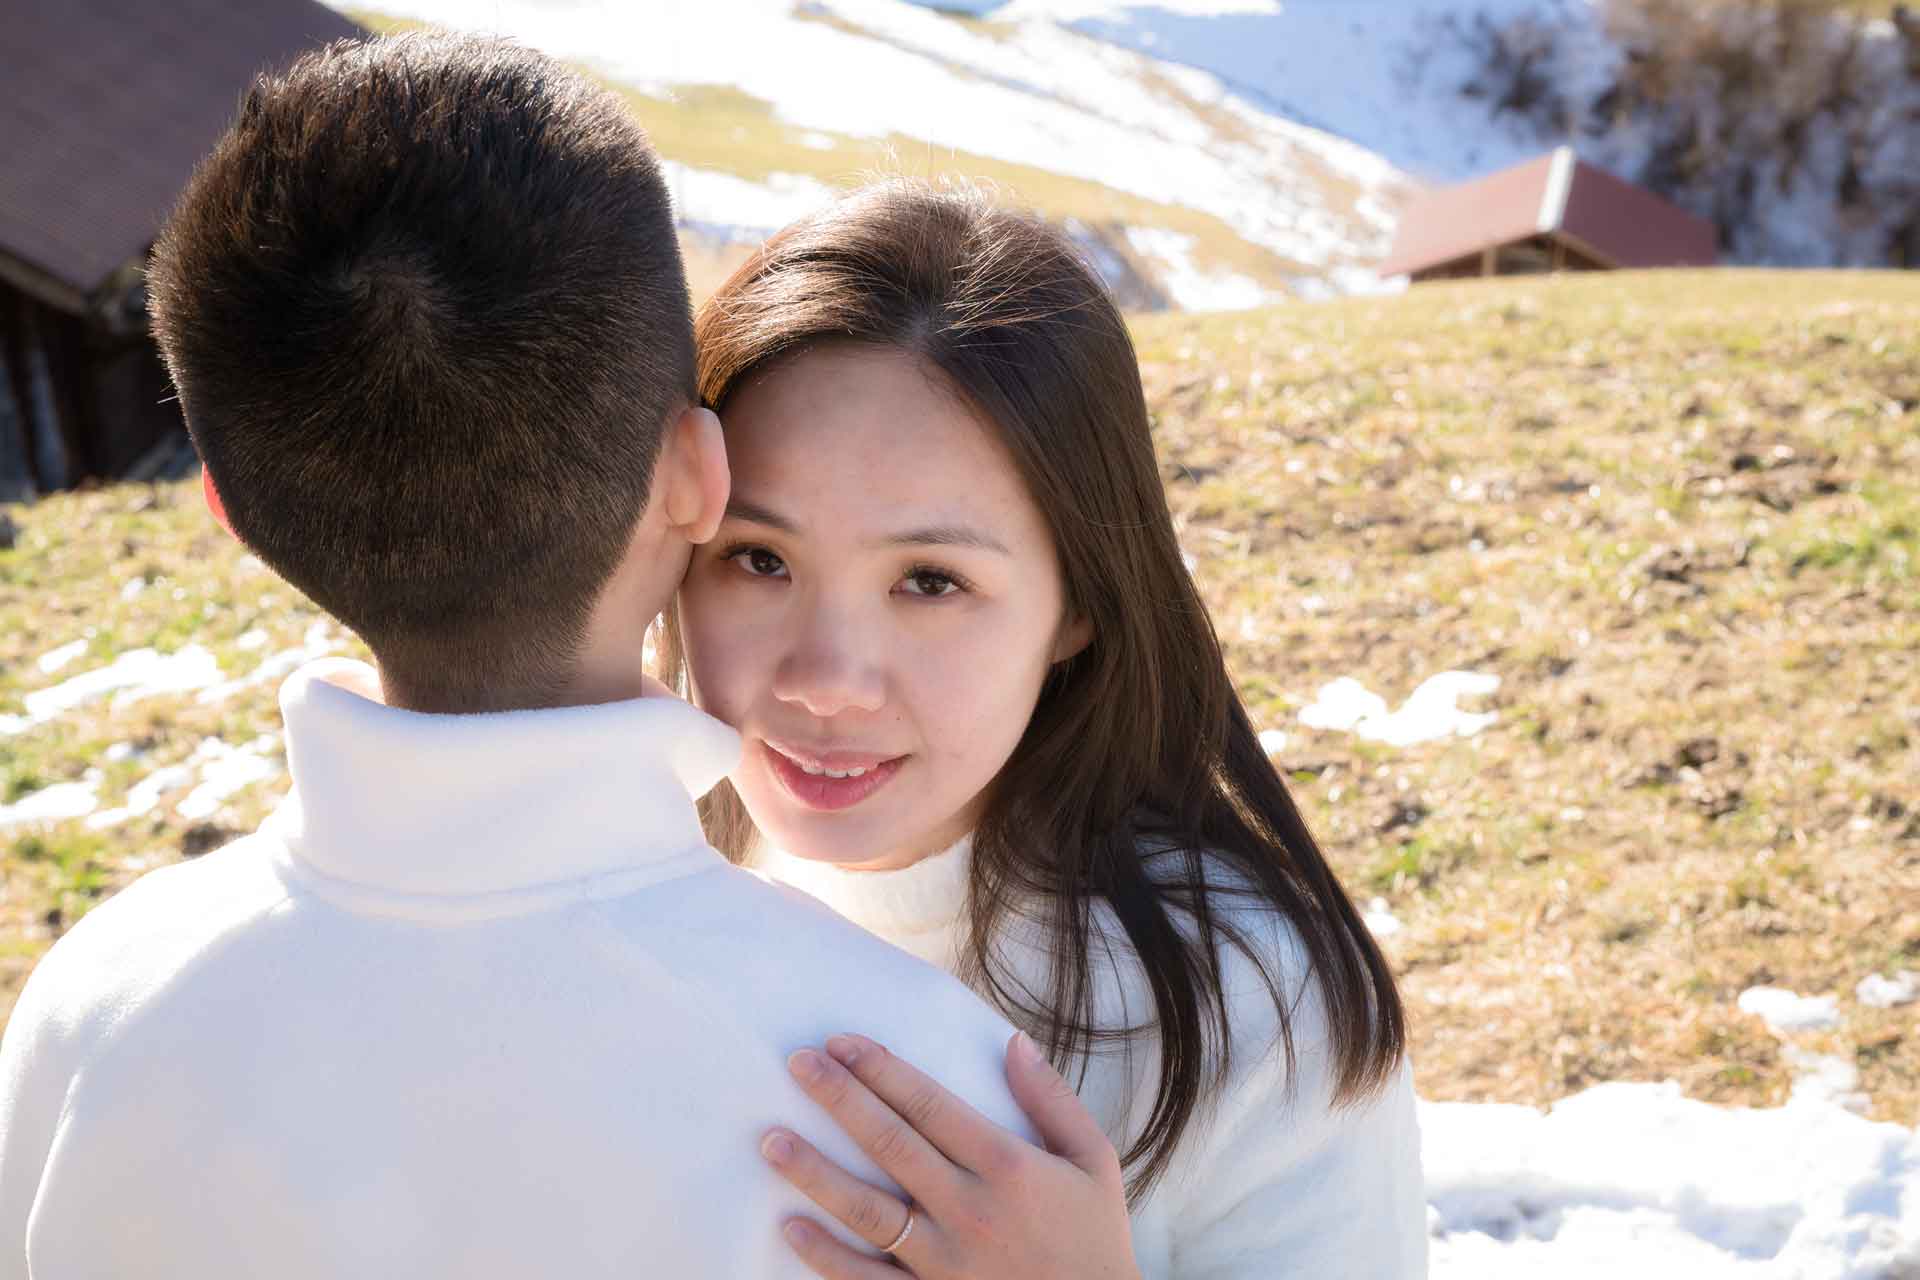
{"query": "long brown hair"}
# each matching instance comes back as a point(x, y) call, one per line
point(1139, 778)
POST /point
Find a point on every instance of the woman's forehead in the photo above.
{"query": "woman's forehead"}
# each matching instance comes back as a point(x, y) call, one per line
point(869, 434)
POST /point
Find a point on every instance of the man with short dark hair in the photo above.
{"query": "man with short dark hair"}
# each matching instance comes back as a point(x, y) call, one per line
point(426, 315)
point(478, 999)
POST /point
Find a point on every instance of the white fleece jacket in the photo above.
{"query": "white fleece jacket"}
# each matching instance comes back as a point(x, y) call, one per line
point(478, 1001)
point(1275, 1183)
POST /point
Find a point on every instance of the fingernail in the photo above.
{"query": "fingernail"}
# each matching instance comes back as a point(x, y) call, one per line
point(798, 1234)
point(845, 1049)
point(1029, 1051)
point(777, 1147)
point(807, 1065)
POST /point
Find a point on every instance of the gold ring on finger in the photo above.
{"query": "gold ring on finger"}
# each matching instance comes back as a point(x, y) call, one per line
point(905, 1231)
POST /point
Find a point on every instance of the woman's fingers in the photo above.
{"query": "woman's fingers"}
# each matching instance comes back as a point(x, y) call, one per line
point(827, 1257)
point(1064, 1123)
point(876, 1216)
point(881, 1132)
point(962, 1134)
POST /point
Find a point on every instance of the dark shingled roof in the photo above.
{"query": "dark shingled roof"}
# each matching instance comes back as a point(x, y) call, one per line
point(105, 108)
point(1560, 196)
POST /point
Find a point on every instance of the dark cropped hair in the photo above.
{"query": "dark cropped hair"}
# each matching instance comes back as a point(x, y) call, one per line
point(426, 314)
point(1139, 781)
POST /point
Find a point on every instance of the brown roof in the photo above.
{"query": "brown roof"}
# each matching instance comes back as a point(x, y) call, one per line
point(1556, 195)
point(107, 106)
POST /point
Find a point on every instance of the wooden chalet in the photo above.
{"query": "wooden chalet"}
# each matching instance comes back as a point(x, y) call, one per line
point(105, 108)
point(1556, 213)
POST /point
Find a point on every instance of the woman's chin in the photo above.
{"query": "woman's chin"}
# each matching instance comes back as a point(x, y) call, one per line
point(835, 841)
point(850, 854)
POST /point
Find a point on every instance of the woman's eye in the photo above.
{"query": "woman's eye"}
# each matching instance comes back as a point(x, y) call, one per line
point(930, 583)
point(759, 562)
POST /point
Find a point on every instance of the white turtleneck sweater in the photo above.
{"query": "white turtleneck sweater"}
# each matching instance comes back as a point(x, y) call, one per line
point(1275, 1182)
point(477, 1001)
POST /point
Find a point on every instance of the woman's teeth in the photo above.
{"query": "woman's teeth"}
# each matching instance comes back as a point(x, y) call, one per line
point(815, 772)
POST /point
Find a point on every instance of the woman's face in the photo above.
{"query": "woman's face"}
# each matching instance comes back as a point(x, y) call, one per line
point(878, 612)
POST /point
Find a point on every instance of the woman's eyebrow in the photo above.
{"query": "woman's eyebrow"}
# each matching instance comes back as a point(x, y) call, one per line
point(933, 535)
point(754, 513)
point(948, 535)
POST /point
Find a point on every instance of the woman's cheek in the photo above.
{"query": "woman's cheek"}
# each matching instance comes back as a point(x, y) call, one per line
point(984, 687)
point(711, 659)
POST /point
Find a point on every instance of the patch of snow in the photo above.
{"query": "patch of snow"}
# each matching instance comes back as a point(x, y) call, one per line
point(144, 797)
point(318, 642)
point(57, 803)
point(12, 724)
point(1273, 741)
point(121, 751)
point(227, 770)
point(1362, 282)
point(136, 674)
point(969, 8)
point(254, 639)
point(1191, 288)
point(1638, 1178)
point(726, 208)
point(1129, 285)
point(1380, 921)
point(1432, 712)
point(1877, 992)
point(1823, 1077)
point(54, 659)
point(1342, 705)
point(1785, 1011)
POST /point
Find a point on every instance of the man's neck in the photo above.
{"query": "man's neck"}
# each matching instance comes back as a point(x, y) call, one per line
point(598, 678)
point(611, 665)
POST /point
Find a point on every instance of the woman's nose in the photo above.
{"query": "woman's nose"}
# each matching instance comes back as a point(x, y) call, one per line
point(831, 668)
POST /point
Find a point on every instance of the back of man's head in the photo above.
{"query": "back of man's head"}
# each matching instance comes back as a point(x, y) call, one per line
point(426, 314)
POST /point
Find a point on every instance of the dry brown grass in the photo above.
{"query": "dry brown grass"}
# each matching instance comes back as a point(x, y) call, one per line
point(1677, 515)
point(1684, 534)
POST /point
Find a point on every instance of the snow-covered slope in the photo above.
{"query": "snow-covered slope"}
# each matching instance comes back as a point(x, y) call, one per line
point(1220, 153)
point(1286, 207)
point(1812, 165)
point(1386, 75)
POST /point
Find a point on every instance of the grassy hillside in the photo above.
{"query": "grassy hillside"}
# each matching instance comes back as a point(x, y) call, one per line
point(1676, 514)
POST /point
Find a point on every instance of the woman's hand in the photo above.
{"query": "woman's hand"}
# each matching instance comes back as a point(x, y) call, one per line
point(985, 1202)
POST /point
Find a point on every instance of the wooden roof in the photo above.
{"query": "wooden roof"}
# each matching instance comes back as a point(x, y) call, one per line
point(107, 107)
point(1560, 196)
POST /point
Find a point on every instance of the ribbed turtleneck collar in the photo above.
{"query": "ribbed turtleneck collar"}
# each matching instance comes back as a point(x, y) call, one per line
point(917, 907)
point(403, 812)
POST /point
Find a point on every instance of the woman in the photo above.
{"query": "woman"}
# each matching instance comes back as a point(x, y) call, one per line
point(986, 716)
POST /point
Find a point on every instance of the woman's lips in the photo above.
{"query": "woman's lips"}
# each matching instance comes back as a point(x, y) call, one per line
point(817, 790)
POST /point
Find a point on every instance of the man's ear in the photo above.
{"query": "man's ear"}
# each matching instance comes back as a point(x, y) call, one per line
point(214, 504)
point(1076, 635)
point(693, 469)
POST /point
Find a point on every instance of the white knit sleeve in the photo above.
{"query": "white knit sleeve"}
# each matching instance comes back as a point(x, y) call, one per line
point(1277, 1182)
point(38, 1059)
